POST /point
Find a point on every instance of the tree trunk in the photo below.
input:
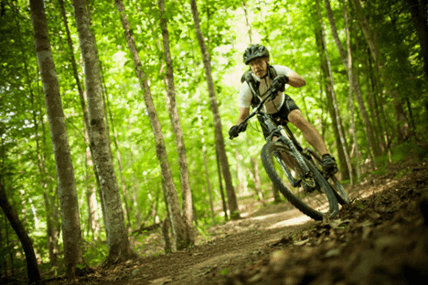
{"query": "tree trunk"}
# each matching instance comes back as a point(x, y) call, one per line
point(354, 85)
point(254, 173)
point(418, 10)
point(119, 162)
point(117, 242)
point(220, 182)
point(32, 267)
point(343, 165)
point(233, 204)
point(250, 33)
point(65, 173)
point(379, 62)
point(178, 225)
point(336, 110)
point(276, 196)
point(52, 231)
point(351, 83)
point(176, 127)
point(204, 153)
point(93, 221)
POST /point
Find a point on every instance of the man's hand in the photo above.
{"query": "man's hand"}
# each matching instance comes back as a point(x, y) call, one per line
point(279, 82)
point(235, 130)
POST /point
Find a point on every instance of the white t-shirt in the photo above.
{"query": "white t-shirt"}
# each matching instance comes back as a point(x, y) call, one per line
point(245, 95)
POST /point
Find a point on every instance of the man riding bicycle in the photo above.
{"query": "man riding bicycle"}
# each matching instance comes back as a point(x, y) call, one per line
point(257, 81)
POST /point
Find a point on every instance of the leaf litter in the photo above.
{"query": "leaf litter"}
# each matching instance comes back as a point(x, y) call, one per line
point(382, 237)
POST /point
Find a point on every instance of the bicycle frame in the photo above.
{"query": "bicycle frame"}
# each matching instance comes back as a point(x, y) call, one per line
point(284, 135)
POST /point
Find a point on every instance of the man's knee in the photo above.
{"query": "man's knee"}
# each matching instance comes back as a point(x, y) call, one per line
point(296, 118)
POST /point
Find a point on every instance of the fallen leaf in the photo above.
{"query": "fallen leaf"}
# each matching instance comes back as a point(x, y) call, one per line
point(161, 281)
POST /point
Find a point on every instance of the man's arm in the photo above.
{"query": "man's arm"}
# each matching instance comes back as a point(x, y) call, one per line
point(243, 113)
point(295, 79)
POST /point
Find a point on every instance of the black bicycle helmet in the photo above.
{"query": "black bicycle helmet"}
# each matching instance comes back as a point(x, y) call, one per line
point(255, 51)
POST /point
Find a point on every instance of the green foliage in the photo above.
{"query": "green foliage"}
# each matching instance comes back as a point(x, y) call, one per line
point(95, 254)
point(225, 271)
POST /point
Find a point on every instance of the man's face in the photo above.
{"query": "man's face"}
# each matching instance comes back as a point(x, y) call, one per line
point(258, 67)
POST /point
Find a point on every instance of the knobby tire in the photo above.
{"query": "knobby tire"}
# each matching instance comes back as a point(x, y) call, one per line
point(267, 159)
point(334, 183)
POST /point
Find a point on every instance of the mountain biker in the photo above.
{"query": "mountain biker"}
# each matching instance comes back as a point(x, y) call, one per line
point(259, 79)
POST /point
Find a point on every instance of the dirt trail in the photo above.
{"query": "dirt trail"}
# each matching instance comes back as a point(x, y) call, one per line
point(381, 236)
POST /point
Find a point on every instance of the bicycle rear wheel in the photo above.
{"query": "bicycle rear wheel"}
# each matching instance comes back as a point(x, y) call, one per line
point(316, 200)
point(340, 193)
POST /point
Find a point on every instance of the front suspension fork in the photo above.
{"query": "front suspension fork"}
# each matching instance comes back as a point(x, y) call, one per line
point(287, 141)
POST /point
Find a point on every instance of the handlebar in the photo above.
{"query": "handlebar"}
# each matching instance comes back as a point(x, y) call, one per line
point(255, 110)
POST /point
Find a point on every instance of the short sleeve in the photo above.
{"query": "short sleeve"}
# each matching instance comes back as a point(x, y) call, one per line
point(282, 70)
point(245, 96)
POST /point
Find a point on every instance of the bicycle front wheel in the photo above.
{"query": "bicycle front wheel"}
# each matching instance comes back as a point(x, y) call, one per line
point(315, 198)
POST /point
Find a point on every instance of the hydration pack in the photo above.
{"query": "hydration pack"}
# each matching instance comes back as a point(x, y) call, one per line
point(254, 85)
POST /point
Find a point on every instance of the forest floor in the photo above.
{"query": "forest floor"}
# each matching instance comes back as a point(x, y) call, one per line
point(382, 237)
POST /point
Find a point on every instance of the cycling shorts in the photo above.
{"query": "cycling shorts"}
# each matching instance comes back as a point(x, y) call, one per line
point(288, 106)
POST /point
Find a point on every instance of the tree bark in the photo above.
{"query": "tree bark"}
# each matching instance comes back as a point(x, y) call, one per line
point(93, 222)
point(247, 20)
point(336, 110)
point(354, 85)
point(179, 228)
point(32, 267)
point(117, 242)
point(220, 182)
point(204, 153)
point(65, 173)
point(351, 98)
point(343, 166)
point(401, 120)
point(418, 10)
point(254, 173)
point(176, 127)
point(233, 204)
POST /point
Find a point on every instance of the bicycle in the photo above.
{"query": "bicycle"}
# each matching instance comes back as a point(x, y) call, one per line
point(313, 194)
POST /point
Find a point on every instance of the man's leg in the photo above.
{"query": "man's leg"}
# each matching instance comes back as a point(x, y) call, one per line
point(310, 133)
point(314, 138)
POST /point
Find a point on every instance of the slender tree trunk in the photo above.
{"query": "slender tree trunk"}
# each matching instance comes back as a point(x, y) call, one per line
point(176, 127)
point(65, 173)
point(276, 196)
point(32, 267)
point(353, 83)
point(204, 153)
point(52, 231)
point(119, 162)
point(339, 124)
point(343, 166)
point(94, 223)
point(233, 204)
point(254, 173)
point(220, 182)
point(3, 261)
point(379, 62)
point(179, 228)
point(11, 259)
point(239, 173)
point(117, 243)
point(250, 32)
point(418, 10)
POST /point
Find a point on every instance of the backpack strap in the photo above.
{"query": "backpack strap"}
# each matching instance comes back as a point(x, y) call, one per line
point(272, 72)
point(254, 85)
